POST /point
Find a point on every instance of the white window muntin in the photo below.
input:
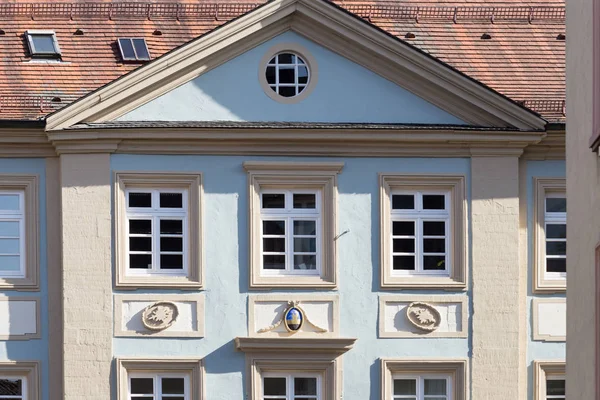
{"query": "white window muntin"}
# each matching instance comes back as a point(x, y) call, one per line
point(561, 396)
point(12, 217)
point(290, 390)
point(298, 65)
point(14, 396)
point(420, 387)
point(554, 218)
point(156, 214)
point(418, 215)
point(157, 393)
point(289, 214)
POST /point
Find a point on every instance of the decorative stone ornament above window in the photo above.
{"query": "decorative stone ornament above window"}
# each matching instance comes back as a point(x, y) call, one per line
point(158, 230)
point(292, 224)
point(288, 73)
point(423, 231)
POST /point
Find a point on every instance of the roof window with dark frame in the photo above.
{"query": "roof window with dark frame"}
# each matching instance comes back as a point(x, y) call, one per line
point(134, 49)
point(43, 44)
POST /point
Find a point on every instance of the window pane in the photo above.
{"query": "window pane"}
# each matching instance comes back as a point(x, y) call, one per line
point(305, 386)
point(9, 202)
point(556, 265)
point(434, 202)
point(287, 75)
point(437, 228)
point(11, 387)
point(173, 385)
point(9, 228)
point(127, 49)
point(403, 202)
point(140, 226)
point(140, 261)
point(274, 386)
point(434, 245)
point(270, 74)
point(171, 200)
point(286, 58)
point(556, 231)
point(272, 61)
point(404, 245)
point(305, 228)
point(273, 227)
point(273, 262)
point(300, 89)
point(302, 75)
point(141, 49)
point(555, 387)
point(274, 245)
point(404, 262)
point(405, 387)
point(305, 245)
point(287, 91)
point(435, 387)
point(142, 386)
point(305, 262)
point(10, 263)
point(171, 261)
point(433, 263)
point(43, 43)
point(556, 204)
point(273, 200)
point(171, 226)
point(304, 200)
point(403, 228)
point(9, 246)
point(140, 244)
point(140, 199)
point(556, 248)
point(171, 244)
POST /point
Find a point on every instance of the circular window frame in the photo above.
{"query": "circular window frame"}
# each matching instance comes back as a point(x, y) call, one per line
point(303, 53)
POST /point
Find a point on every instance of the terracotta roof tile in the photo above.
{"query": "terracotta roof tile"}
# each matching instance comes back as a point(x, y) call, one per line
point(523, 59)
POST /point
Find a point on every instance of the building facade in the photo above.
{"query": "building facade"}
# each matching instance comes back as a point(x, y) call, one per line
point(296, 202)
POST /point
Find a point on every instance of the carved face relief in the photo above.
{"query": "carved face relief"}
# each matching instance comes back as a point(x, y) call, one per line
point(160, 316)
point(423, 316)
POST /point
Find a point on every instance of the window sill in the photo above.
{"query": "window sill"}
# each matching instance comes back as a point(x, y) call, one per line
point(158, 282)
point(423, 282)
point(291, 282)
point(550, 286)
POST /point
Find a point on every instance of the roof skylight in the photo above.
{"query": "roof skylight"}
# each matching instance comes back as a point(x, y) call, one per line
point(42, 44)
point(134, 49)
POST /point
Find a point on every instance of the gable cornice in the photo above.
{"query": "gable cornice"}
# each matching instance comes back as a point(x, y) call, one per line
point(324, 23)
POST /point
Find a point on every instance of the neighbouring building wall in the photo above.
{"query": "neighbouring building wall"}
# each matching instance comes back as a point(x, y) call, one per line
point(583, 192)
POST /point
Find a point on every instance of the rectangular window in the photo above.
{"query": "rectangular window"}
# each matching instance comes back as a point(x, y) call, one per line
point(159, 387)
point(291, 232)
point(134, 49)
point(549, 380)
point(12, 234)
point(291, 387)
point(13, 388)
point(42, 44)
point(555, 218)
point(420, 233)
point(555, 387)
point(430, 387)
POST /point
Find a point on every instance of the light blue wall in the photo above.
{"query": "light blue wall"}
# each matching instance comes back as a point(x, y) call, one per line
point(32, 349)
point(345, 92)
point(226, 269)
point(537, 350)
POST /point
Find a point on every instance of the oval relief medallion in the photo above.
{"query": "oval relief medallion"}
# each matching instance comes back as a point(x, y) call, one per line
point(293, 319)
point(160, 315)
point(423, 316)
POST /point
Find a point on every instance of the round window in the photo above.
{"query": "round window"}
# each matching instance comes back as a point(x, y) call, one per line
point(287, 74)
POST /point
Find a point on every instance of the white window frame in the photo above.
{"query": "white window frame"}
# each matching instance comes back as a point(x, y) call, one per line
point(544, 370)
point(157, 383)
point(289, 215)
point(555, 378)
point(289, 376)
point(554, 218)
point(24, 384)
point(16, 216)
point(155, 214)
point(420, 392)
point(32, 50)
point(278, 67)
point(418, 215)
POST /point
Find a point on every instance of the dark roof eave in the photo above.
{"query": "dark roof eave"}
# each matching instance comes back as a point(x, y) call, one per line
point(22, 123)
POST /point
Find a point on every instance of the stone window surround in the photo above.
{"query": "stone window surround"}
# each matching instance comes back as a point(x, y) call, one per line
point(542, 369)
point(454, 367)
point(192, 367)
point(192, 182)
point(455, 185)
point(541, 187)
point(30, 370)
point(321, 176)
point(29, 185)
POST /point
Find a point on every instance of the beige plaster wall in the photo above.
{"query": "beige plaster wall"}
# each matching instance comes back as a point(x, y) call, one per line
point(87, 295)
point(498, 351)
point(583, 202)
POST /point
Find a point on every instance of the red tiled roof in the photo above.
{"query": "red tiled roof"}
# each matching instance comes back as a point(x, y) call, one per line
point(523, 59)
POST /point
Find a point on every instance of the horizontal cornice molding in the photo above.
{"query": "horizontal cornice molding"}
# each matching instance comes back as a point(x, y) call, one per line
point(294, 345)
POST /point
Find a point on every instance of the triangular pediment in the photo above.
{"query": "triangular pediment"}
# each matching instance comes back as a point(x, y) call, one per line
point(365, 75)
